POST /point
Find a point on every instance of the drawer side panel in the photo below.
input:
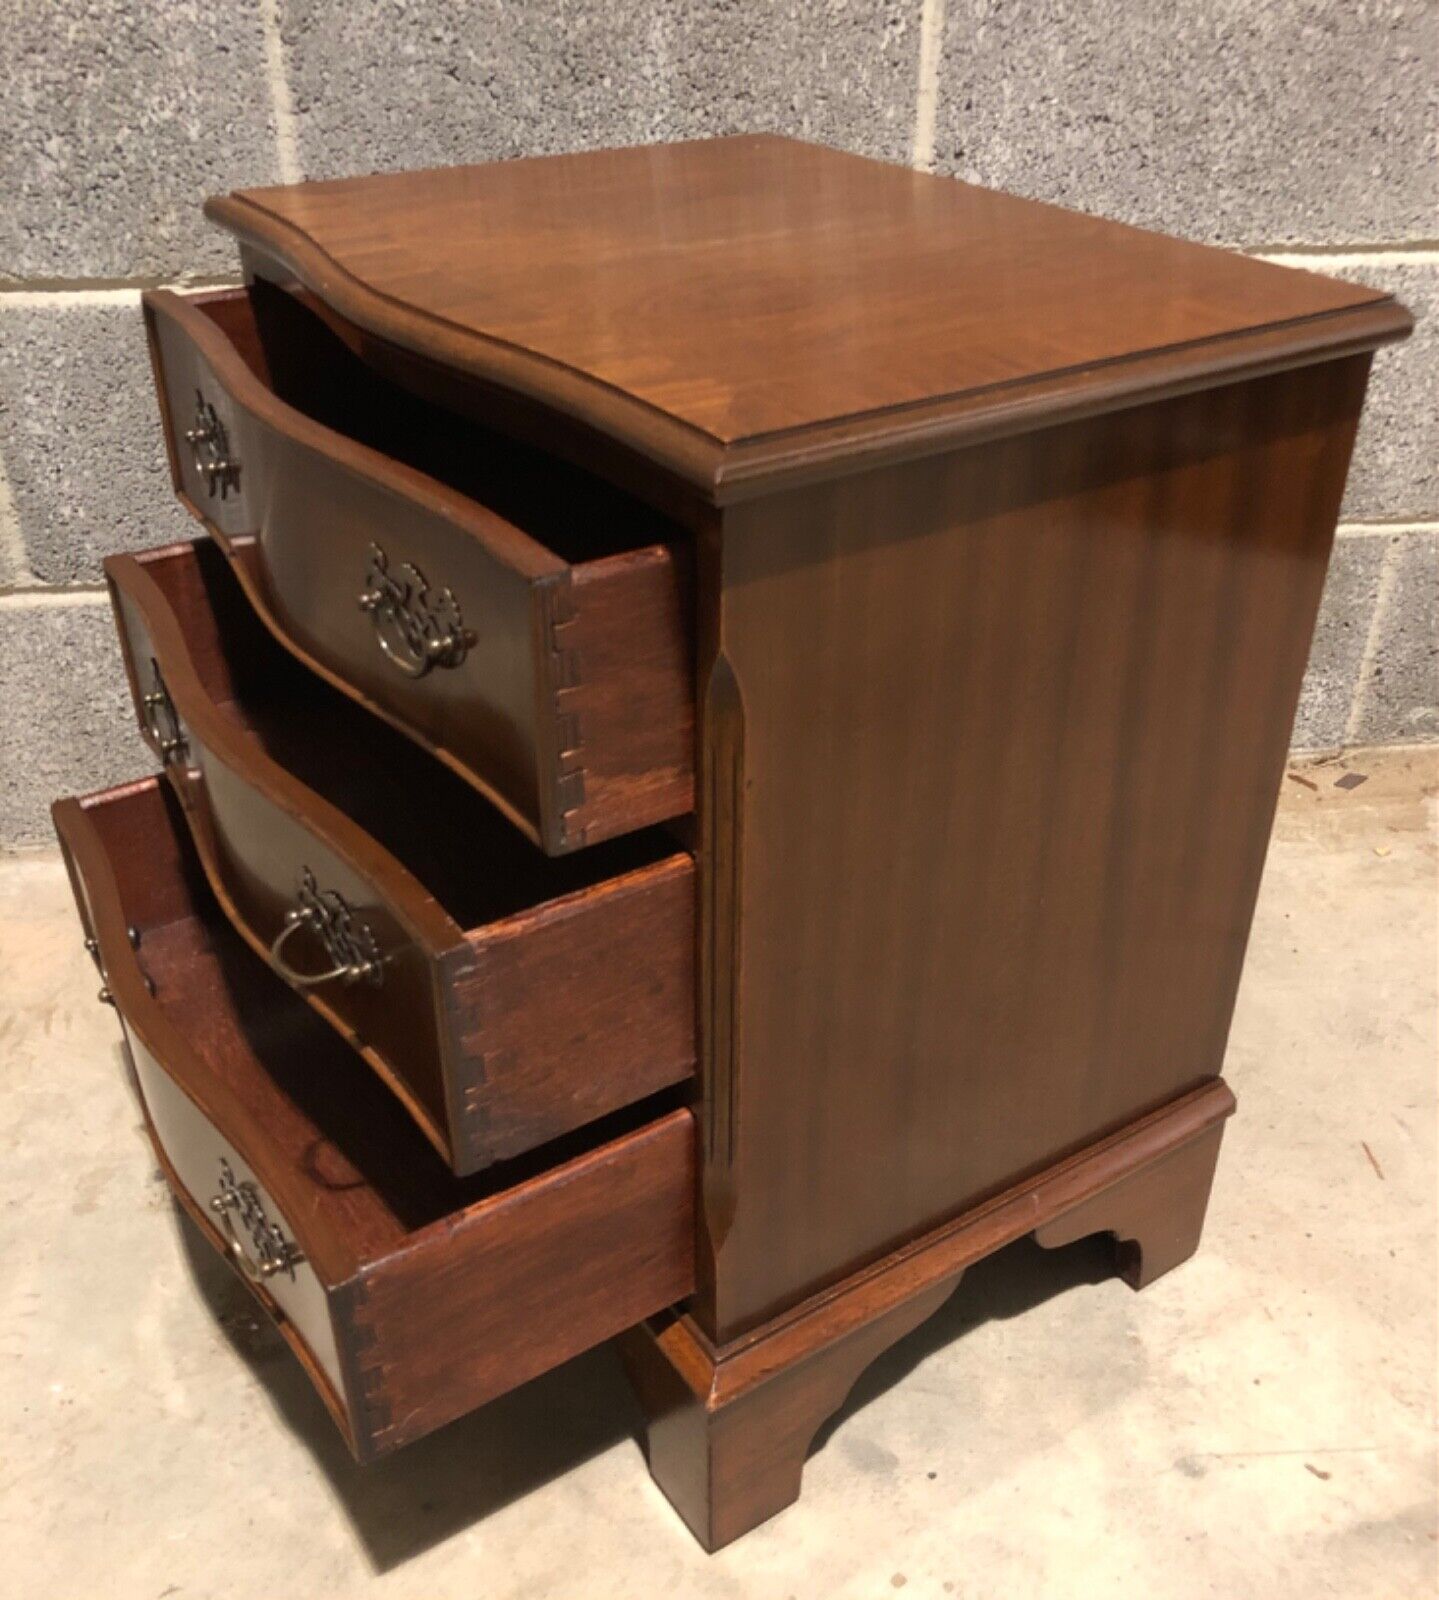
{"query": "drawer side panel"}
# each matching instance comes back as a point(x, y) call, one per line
point(492, 1297)
point(578, 1008)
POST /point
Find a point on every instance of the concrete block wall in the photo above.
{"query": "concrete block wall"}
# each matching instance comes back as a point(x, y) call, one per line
point(1306, 131)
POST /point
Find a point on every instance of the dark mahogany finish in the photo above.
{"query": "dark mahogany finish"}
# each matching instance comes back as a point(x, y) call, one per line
point(418, 1297)
point(730, 1425)
point(572, 707)
point(980, 541)
point(518, 996)
point(982, 840)
point(743, 313)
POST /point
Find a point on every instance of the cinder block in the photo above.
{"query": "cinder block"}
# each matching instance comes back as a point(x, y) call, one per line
point(1229, 121)
point(12, 548)
point(1395, 473)
point(1334, 660)
point(382, 88)
point(844, 74)
point(68, 727)
point(80, 436)
point(1399, 698)
point(120, 117)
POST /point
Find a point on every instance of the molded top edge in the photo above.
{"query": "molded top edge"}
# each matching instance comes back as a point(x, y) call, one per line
point(755, 311)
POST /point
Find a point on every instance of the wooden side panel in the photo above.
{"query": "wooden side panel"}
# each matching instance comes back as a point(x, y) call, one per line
point(623, 663)
point(578, 1008)
point(1013, 724)
point(491, 1297)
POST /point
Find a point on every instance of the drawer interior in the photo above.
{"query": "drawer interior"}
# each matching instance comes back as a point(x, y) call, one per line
point(412, 1296)
point(303, 362)
point(365, 1168)
point(452, 840)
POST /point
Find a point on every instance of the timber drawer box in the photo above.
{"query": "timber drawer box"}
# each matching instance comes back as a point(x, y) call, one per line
point(506, 996)
point(736, 693)
point(521, 619)
point(409, 1297)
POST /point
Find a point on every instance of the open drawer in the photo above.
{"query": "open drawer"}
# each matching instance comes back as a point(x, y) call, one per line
point(506, 996)
point(526, 623)
point(410, 1296)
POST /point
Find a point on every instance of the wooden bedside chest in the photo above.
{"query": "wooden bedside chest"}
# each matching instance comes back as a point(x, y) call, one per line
point(717, 757)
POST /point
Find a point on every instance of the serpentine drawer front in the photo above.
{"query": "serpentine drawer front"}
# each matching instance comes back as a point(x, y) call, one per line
point(505, 996)
point(519, 618)
point(409, 1296)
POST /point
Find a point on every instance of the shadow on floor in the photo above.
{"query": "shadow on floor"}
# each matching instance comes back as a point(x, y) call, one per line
point(442, 1484)
point(437, 1487)
point(1004, 1285)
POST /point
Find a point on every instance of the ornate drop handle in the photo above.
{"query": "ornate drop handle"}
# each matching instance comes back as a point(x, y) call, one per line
point(416, 630)
point(161, 719)
point(238, 1202)
point(348, 941)
point(92, 949)
point(209, 442)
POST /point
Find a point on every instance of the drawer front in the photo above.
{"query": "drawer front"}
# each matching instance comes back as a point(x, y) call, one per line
point(430, 610)
point(328, 929)
point(261, 1244)
point(411, 1296)
point(155, 710)
point(571, 997)
point(324, 535)
point(299, 903)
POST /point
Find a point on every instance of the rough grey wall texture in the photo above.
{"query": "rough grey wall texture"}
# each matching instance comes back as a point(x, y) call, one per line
point(1244, 122)
point(120, 117)
point(79, 437)
point(1396, 460)
point(499, 80)
point(1395, 697)
point(1301, 127)
point(67, 713)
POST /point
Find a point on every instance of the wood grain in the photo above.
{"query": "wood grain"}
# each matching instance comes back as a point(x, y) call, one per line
point(1155, 1216)
point(729, 1424)
point(512, 1287)
point(1013, 724)
point(729, 307)
point(441, 1294)
point(500, 1021)
point(572, 709)
point(982, 542)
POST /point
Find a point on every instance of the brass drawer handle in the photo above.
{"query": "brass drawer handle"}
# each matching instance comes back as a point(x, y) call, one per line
point(415, 630)
point(209, 442)
point(239, 1202)
point(348, 941)
point(162, 722)
point(92, 949)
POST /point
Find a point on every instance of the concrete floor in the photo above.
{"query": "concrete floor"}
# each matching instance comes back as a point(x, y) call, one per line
point(1259, 1424)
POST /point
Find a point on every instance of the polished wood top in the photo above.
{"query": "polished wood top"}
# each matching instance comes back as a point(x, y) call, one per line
point(731, 302)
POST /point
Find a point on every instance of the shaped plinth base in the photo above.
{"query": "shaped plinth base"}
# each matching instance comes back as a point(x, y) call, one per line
point(729, 1426)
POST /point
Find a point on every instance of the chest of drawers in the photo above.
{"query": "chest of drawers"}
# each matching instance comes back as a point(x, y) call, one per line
point(717, 748)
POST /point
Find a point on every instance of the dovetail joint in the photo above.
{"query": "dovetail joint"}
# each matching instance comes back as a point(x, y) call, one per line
point(465, 998)
point(370, 1403)
point(565, 668)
